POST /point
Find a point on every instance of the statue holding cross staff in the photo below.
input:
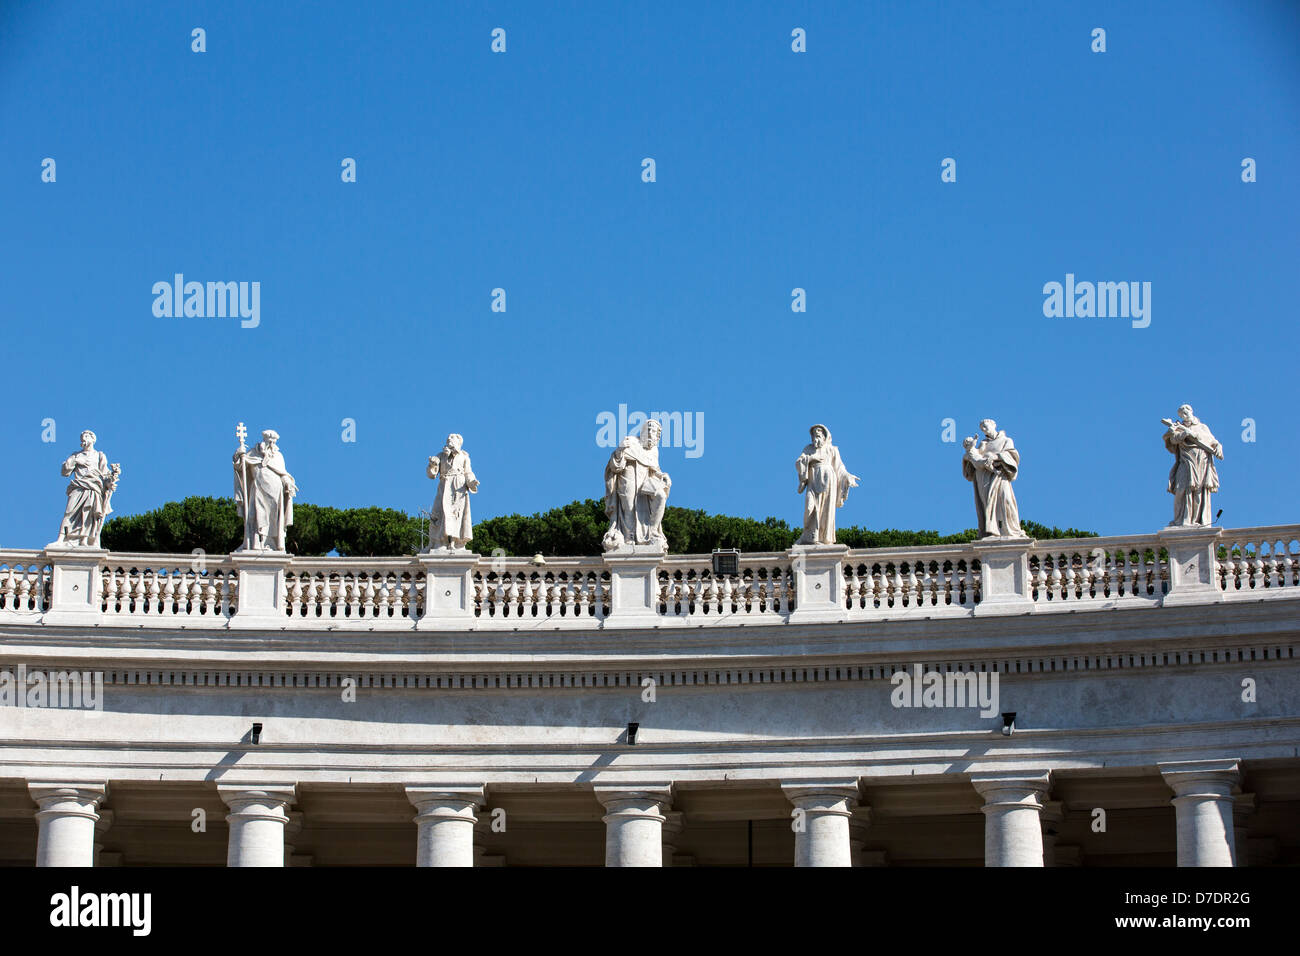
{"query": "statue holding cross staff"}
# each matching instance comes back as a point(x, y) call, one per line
point(264, 492)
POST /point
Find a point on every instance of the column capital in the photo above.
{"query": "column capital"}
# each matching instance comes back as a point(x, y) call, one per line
point(610, 794)
point(267, 801)
point(451, 802)
point(1003, 788)
point(1211, 778)
point(67, 799)
point(839, 795)
point(422, 793)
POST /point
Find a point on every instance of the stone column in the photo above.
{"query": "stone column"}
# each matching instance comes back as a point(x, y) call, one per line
point(1013, 829)
point(257, 819)
point(634, 823)
point(66, 821)
point(1203, 803)
point(821, 821)
point(1243, 808)
point(445, 821)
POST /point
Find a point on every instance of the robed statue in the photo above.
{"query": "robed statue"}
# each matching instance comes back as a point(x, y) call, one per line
point(824, 482)
point(636, 492)
point(1193, 477)
point(264, 492)
point(991, 467)
point(450, 526)
point(89, 494)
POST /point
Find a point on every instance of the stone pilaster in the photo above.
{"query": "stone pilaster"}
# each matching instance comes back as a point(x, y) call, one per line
point(102, 826)
point(445, 820)
point(1013, 803)
point(66, 821)
point(1052, 816)
point(1203, 804)
point(1243, 808)
point(821, 821)
point(859, 824)
point(674, 821)
point(634, 823)
point(257, 819)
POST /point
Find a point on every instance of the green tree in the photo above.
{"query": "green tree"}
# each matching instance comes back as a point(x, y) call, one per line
point(572, 530)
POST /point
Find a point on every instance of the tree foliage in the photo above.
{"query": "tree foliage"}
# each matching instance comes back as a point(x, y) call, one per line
point(212, 524)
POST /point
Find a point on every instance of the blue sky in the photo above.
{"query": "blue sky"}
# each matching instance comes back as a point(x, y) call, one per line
point(774, 170)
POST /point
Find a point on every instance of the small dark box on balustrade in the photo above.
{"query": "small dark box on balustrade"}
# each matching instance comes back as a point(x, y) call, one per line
point(726, 561)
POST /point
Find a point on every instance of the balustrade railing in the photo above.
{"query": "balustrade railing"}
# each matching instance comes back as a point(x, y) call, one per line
point(894, 581)
point(1255, 562)
point(370, 590)
point(763, 587)
point(513, 591)
point(1174, 566)
point(141, 586)
point(1079, 570)
point(24, 582)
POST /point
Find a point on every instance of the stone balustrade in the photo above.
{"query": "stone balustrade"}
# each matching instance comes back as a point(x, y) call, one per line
point(461, 590)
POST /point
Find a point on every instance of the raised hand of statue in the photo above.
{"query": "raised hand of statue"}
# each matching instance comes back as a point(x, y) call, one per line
point(853, 481)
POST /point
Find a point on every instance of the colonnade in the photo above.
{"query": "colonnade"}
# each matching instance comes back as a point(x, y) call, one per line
point(1019, 818)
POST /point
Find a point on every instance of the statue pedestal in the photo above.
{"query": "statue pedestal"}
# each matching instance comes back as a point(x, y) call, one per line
point(76, 584)
point(819, 583)
point(634, 585)
point(1004, 575)
point(261, 599)
point(1192, 558)
point(448, 588)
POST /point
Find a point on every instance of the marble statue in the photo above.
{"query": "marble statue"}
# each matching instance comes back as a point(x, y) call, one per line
point(89, 494)
point(636, 492)
point(824, 482)
point(264, 492)
point(1193, 477)
point(450, 526)
point(991, 467)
